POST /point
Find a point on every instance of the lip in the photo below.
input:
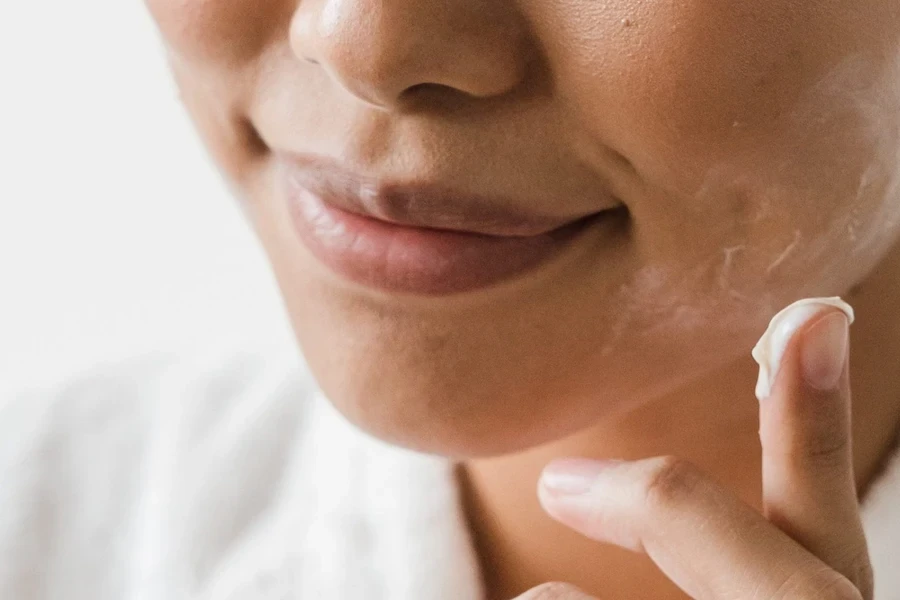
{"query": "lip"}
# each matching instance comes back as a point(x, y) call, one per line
point(417, 239)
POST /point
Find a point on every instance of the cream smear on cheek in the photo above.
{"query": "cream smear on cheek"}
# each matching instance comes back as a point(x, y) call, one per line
point(866, 227)
point(869, 227)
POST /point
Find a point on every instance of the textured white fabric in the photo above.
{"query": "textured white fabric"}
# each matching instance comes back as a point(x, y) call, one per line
point(229, 478)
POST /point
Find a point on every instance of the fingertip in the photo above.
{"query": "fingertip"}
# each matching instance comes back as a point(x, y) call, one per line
point(824, 351)
point(807, 409)
point(573, 476)
point(771, 349)
point(568, 489)
point(562, 508)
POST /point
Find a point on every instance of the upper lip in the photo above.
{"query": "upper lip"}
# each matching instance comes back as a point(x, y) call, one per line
point(416, 202)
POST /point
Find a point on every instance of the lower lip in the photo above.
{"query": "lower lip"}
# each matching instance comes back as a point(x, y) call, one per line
point(416, 260)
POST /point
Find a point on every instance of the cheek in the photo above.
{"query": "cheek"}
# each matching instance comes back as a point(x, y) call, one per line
point(218, 32)
point(213, 48)
point(763, 138)
point(679, 87)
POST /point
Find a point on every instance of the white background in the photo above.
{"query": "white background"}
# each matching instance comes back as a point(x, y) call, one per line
point(116, 233)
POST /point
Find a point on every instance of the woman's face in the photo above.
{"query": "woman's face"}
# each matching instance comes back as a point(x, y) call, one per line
point(718, 159)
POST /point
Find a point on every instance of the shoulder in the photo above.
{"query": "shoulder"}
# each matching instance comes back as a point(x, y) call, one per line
point(123, 401)
point(85, 458)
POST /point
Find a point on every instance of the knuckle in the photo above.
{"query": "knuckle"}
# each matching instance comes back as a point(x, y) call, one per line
point(554, 591)
point(827, 451)
point(668, 480)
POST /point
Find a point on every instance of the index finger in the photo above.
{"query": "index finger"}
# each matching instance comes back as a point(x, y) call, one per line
point(809, 490)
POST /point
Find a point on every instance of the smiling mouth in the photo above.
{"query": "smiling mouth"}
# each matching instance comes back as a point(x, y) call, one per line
point(420, 239)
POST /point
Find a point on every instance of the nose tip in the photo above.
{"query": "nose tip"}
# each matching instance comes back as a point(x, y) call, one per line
point(382, 51)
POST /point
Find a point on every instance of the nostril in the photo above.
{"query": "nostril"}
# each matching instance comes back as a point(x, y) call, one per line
point(425, 86)
point(310, 60)
point(432, 90)
point(431, 95)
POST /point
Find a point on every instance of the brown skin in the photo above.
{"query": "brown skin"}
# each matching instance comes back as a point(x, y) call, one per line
point(711, 545)
point(755, 146)
point(713, 424)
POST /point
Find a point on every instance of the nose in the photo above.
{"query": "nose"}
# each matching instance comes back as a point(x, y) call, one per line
point(382, 50)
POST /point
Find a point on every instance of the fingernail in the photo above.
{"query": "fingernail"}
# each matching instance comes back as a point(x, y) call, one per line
point(573, 476)
point(769, 351)
point(824, 351)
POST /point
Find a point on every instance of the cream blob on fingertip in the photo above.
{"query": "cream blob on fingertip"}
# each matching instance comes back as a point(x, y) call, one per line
point(770, 348)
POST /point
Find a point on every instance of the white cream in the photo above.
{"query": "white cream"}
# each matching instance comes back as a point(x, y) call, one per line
point(770, 348)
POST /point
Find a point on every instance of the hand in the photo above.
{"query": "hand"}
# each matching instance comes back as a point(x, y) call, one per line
point(810, 542)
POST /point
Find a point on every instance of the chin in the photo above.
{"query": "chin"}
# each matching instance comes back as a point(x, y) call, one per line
point(432, 398)
point(466, 416)
point(451, 419)
point(465, 395)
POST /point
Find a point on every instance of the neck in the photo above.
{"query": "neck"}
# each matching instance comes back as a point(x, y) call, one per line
point(712, 422)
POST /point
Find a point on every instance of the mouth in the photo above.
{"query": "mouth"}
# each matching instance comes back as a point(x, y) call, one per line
point(420, 239)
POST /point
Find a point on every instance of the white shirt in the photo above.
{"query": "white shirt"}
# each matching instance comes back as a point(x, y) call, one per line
point(230, 478)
